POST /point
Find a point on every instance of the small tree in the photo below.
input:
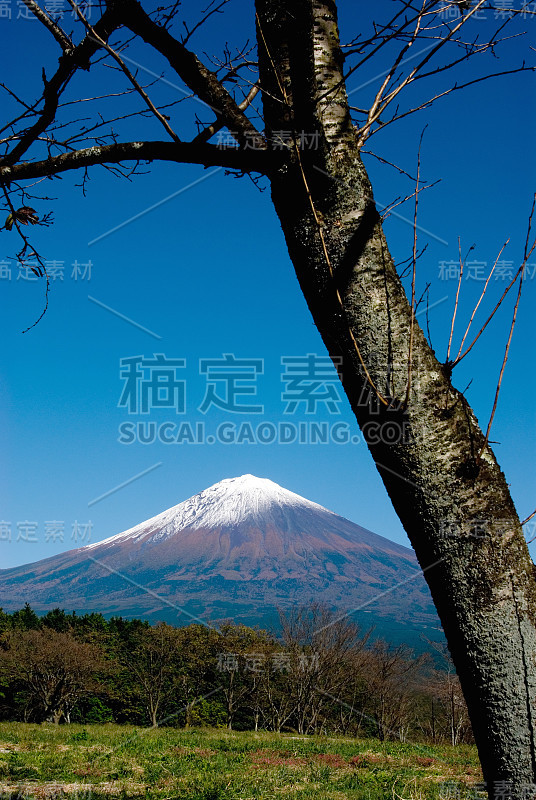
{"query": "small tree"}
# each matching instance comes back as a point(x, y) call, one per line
point(324, 652)
point(53, 669)
point(153, 664)
point(448, 717)
point(241, 653)
point(390, 680)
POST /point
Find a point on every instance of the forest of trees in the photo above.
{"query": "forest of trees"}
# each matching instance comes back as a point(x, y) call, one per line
point(322, 675)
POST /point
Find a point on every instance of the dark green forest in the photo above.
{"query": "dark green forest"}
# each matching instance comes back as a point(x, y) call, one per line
point(321, 675)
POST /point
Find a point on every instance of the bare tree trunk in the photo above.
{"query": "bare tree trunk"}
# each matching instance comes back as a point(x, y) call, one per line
point(441, 476)
point(229, 699)
point(452, 720)
point(188, 715)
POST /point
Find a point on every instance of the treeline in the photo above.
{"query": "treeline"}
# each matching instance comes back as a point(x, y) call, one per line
point(322, 675)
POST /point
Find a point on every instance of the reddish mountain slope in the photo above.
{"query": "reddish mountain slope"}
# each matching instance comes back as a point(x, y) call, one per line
point(238, 549)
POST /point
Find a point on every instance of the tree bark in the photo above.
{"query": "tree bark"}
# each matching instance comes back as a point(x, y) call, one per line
point(439, 472)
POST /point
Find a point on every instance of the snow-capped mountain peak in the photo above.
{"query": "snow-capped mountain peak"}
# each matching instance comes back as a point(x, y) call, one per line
point(230, 551)
point(232, 500)
point(228, 503)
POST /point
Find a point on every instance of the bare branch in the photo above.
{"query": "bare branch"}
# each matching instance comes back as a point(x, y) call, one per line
point(30, 251)
point(210, 11)
point(414, 271)
point(427, 103)
point(210, 130)
point(462, 263)
point(528, 252)
point(59, 35)
point(386, 212)
point(143, 94)
point(480, 300)
point(382, 100)
point(195, 75)
point(181, 152)
point(388, 163)
point(503, 365)
point(528, 519)
point(485, 325)
point(68, 65)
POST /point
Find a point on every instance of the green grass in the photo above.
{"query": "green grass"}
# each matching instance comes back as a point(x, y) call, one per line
point(93, 762)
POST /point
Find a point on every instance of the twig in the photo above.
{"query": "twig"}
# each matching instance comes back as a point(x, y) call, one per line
point(485, 325)
point(528, 519)
point(381, 102)
point(143, 94)
point(189, 33)
point(398, 202)
point(456, 301)
point(455, 88)
point(54, 88)
point(21, 255)
point(217, 125)
point(405, 272)
point(428, 320)
point(527, 254)
point(499, 382)
point(425, 293)
point(479, 301)
point(414, 271)
point(388, 163)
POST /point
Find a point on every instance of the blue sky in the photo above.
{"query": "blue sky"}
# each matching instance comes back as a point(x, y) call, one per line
point(206, 272)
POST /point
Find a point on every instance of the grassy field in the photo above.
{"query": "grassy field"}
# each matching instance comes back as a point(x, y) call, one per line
point(108, 761)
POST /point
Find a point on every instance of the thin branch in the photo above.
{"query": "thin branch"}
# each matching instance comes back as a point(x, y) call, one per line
point(414, 271)
point(68, 65)
point(506, 351)
point(33, 254)
point(479, 301)
point(485, 325)
point(117, 58)
point(123, 93)
point(408, 261)
point(383, 99)
point(190, 31)
point(424, 293)
point(373, 111)
point(217, 125)
point(400, 201)
point(528, 519)
point(527, 254)
point(200, 80)
point(456, 87)
point(388, 163)
point(447, 360)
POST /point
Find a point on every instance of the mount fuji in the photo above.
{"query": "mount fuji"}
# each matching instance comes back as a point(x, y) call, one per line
point(239, 549)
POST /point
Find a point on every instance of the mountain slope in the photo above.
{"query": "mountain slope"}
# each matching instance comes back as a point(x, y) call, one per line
point(238, 549)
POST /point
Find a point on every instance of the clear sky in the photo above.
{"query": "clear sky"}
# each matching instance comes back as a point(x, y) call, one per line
point(191, 264)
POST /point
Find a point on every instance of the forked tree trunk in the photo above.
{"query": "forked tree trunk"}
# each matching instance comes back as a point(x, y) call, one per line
point(442, 478)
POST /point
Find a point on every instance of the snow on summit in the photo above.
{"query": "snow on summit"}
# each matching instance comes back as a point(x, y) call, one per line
point(233, 500)
point(227, 503)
